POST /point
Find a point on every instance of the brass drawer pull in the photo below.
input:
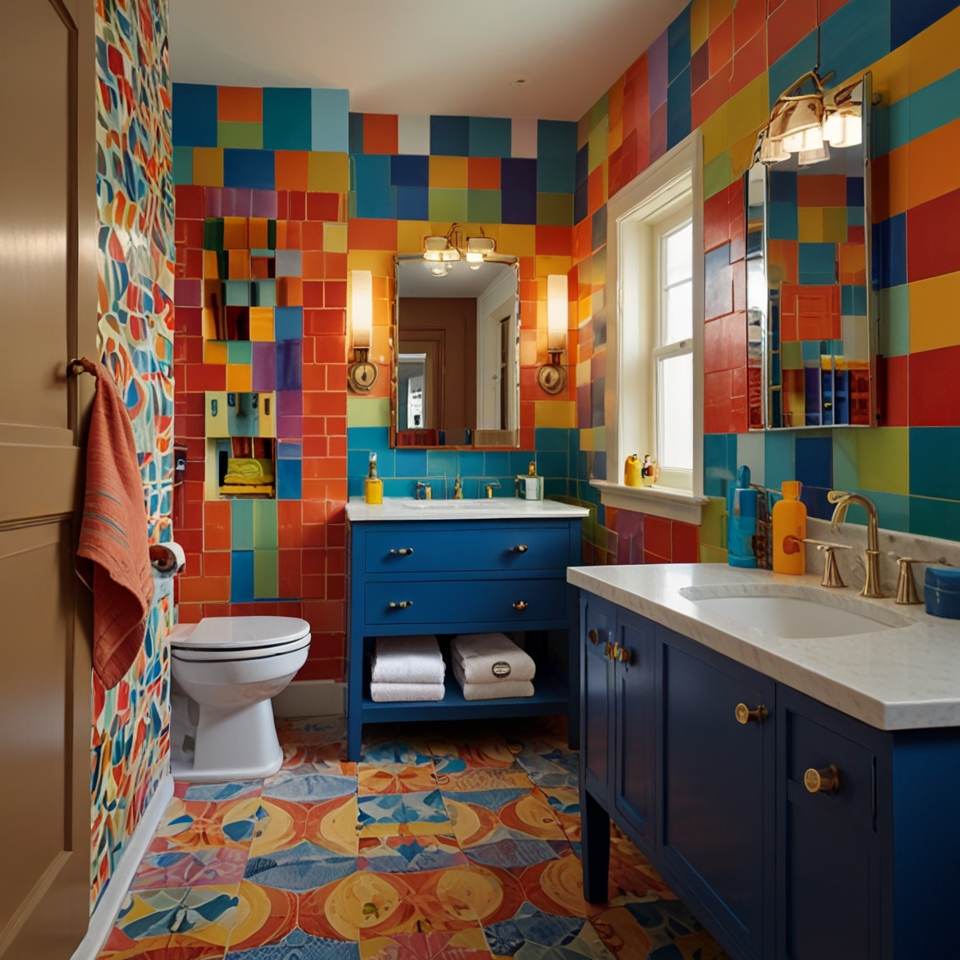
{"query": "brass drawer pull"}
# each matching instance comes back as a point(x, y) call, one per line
point(594, 637)
point(745, 715)
point(402, 552)
point(822, 781)
point(521, 605)
point(521, 548)
point(608, 650)
point(402, 605)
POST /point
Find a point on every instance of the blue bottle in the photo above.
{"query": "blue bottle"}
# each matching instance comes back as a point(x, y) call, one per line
point(741, 521)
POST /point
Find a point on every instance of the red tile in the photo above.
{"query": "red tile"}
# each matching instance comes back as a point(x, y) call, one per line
point(934, 388)
point(716, 221)
point(714, 93)
point(380, 133)
point(749, 62)
point(686, 542)
point(553, 241)
point(700, 67)
point(189, 202)
point(933, 238)
point(788, 25)
point(326, 206)
point(892, 393)
point(657, 537)
point(372, 235)
point(721, 45)
point(749, 19)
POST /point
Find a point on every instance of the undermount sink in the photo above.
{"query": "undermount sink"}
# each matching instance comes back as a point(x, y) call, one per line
point(794, 613)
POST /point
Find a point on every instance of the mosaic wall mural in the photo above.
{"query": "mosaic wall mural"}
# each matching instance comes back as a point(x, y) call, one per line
point(135, 267)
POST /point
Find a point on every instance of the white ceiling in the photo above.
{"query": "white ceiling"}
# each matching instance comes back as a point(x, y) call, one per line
point(418, 57)
point(414, 279)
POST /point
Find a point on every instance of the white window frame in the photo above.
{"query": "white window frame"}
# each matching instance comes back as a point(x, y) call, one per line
point(633, 334)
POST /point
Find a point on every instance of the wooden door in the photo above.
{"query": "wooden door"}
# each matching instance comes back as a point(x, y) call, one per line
point(47, 315)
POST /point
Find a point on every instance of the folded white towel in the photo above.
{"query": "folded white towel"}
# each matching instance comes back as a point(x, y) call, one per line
point(407, 660)
point(499, 690)
point(491, 657)
point(395, 692)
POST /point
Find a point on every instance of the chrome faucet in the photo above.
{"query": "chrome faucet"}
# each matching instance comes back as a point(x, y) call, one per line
point(871, 556)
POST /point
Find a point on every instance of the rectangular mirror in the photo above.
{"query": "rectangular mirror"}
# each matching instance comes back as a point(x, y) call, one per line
point(811, 315)
point(456, 376)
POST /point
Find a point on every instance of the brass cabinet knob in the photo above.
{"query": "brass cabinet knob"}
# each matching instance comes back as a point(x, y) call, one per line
point(745, 715)
point(615, 651)
point(521, 548)
point(594, 637)
point(826, 780)
point(625, 655)
point(402, 552)
point(521, 605)
point(608, 650)
point(401, 605)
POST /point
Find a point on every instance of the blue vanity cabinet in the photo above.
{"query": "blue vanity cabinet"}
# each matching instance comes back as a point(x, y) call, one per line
point(599, 619)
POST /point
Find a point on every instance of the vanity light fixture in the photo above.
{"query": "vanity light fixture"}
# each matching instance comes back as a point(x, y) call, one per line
point(449, 249)
point(361, 374)
point(552, 376)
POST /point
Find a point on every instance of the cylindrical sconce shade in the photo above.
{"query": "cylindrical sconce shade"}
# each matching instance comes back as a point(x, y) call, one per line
point(361, 307)
point(557, 312)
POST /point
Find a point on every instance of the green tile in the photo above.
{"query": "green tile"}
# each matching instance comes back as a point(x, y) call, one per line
point(236, 293)
point(600, 111)
point(597, 145)
point(265, 580)
point(447, 204)
point(183, 165)
point(717, 174)
point(712, 525)
point(483, 206)
point(241, 525)
point(265, 291)
point(239, 351)
point(884, 459)
point(846, 476)
point(791, 355)
point(368, 412)
point(243, 135)
point(895, 321)
point(265, 525)
point(709, 554)
point(555, 209)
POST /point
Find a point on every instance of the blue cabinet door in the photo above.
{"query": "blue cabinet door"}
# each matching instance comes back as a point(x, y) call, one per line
point(716, 815)
point(635, 737)
point(596, 684)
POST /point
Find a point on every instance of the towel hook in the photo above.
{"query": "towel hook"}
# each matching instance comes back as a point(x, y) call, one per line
point(81, 365)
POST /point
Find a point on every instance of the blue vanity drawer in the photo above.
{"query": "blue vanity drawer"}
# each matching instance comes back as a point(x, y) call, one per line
point(459, 601)
point(507, 548)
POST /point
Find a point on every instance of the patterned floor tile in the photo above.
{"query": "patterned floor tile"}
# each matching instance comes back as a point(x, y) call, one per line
point(531, 933)
point(298, 945)
point(553, 769)
point(265, 916)
point(317, 758)
point(285, 823)
point(665, 930)
point(410, 854)
point(308, 787)
point(490, 816)
point(204, 866)
point(392, 809)
point(452, 755)
point(393, 752)
point(514, 853)
point(197, 823)
point(565, 804)
point(218, 792)
point(457, 945)
point(312, 730)
point(453, 777)
point(203, 914)
point(394, 778)
point(305, 866)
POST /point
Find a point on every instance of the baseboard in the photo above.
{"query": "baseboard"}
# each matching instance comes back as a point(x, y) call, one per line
point(311, 698)
point(104, 917)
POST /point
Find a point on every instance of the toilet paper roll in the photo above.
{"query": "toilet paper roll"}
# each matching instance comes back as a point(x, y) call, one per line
point(167, 558)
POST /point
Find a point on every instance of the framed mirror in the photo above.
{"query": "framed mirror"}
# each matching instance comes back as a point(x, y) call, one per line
point(456, 358)
point(811, 312)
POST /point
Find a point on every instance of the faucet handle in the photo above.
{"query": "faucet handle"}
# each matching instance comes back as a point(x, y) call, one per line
point(831, 572)
point(906, 584)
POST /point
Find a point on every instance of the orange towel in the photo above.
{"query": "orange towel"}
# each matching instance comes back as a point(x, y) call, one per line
point(113, 536)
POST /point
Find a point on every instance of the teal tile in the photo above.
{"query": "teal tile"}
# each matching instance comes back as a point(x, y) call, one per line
point(330, 124)
point(239, 351)
point(853, 38)
point(496, 464)
point(490, 136)
point(779, 463)
point(846, 475)
point(443, 462)
point(935, 462)
point(265, 578)
point(236, 293)
point(241, 525)
point(895, 321)
point(182, 165)
point(264, 292)
point(935, 518)
point(892, 508)
point(265, 525)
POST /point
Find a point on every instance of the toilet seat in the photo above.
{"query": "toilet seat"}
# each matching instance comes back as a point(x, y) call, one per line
point(240, 638)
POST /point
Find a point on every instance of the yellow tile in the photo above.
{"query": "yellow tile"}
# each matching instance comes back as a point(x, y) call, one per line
point(239, 377)
point(208, 322)
point(584, 310)
point(518, 239)
point(719, 11)
point(586, 439)
point(748, 110)
point(214, 351)
point(208, 166)
point(583, 130)
point(891, 75)
point(615, 105)
point(933, 319)
point(741, 155)
point(834, 224)
point(597, 151)
point(555, 413)
point(714, 130)
point(211, 268)
point(261, 323)
point(378, 262)
point(448, 172)
point(883, 459)
point(410, 234)
point(550, 265)
point(932, 54)
point(335, 237)
point(699, 23)
point(328, 172)
point(615, 138)
point(584, 374)
point(810, 224)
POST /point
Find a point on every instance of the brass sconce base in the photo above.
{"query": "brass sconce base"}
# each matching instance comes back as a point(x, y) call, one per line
point(552, 376)
point(361, 374)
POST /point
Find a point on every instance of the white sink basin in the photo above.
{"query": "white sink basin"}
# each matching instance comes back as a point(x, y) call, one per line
point(488, 504)
point(794, 613)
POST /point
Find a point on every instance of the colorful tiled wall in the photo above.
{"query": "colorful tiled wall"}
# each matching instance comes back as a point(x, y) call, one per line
point(720, 66)
point(135, 265)
point(335, 192)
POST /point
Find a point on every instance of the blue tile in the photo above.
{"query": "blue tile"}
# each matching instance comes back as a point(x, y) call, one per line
point(779, 462)
point(910, 17)
point(582, 167)
point(289, 480)
point(251, 169)
point(289, 450)
point(287, 118)
point(413, 203)
point(289, 361)
point(554, 487)
point(679, 108)
point(368, 438)
point(600, 471)
point(580, 203)
point(288, 323)
point(354, 486)
point(893, 508)
point(410, 171)
point(793, 64)
point(449, 136)
point(556, 140)
point(518, 190)
point(520, 461)
point(555, 176)
point(814, 461)
point(470, 463)
point(818, 263)
point(496, 464)
point(853, 300)
point(552, 464)
point(782, 186)
point(194, 115)
point(376, 197)
point(890, 251)
point(412, 463)
point(356, 133)
point(719, 463)
point(442, 462)
point(783, 221)
point(551, 438)
point(357, 463)
point(330, 126)
point(678, 45)
point(856, 36)
point(403, 487)
point(935, 462)
point(241, 576)
point(935, 518)
point(855, 191)
point(489, 137)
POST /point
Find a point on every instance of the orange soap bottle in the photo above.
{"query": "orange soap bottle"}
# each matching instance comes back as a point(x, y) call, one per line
point(789, 528)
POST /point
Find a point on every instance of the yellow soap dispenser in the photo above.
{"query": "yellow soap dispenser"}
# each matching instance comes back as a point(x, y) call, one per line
point(789, 529)
point(373, 485)
point(632, 471)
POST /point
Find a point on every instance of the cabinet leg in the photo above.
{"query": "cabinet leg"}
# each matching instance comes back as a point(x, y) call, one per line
point(595, 848)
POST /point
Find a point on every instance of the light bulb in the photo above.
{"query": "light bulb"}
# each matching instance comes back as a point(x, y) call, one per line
point(474, 257)
point(475, 266)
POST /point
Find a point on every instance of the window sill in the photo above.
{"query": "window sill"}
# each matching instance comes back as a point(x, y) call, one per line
point(658, 501)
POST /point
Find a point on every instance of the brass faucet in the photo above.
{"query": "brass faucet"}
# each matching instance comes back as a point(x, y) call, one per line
point(457, 490)
point(871, 556)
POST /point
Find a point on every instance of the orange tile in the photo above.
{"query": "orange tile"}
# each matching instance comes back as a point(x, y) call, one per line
point(311, 262)
point(211, 267)
point(239, 264)
point(235, 233)
point(483, 173)
point(240, 104)
point(785, 255)
point(239, 377)
point(720, 48)
point(749, 18)
point(749, 62)
point(448, 172)
point(290, 169)
point(216, 525)
point(216, 564)
point(821, 190)
point(853, 263)
point(204, 589)
point(372, 234)
point(289, 292)
point(257, 233)
point(929, 176)
point(380, 133)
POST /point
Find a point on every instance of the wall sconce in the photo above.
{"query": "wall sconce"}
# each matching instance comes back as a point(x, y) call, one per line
point(552, 376)
point(361, 374)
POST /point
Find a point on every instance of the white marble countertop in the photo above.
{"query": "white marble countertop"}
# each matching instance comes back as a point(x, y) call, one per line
point(892, 679)
point(496, 508)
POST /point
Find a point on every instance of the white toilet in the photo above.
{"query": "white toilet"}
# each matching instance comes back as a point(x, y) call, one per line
point(225, 670)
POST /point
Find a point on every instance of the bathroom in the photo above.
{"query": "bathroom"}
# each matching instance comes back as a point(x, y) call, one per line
point(248, 209)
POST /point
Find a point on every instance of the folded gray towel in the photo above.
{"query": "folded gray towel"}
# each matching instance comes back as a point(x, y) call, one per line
point(491, 658)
